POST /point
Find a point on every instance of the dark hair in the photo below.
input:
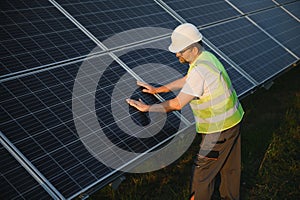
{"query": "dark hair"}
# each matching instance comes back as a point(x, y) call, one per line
point(201, 43)
point(198, 45)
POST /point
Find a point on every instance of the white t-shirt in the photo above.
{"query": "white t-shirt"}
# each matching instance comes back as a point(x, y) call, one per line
point(201, 82)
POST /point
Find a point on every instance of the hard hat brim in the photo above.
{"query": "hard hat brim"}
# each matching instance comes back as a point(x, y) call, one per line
point(176, 48)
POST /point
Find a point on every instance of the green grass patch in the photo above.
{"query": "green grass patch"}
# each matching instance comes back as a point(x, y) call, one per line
point(279, 171)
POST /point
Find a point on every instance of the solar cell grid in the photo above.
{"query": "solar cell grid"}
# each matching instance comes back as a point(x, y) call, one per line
point(16, 182)
point(249, 47)
point(36, 133)
point(116, 77)
point(204, 13)
point(252, 6)
point(106, 18)
point(294, 8)
point(40, 115)
point(281, 26)
point(35, 33)
point(284, 1)
point(150, 55)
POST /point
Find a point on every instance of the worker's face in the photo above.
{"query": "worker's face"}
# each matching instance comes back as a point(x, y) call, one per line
point(185, 55)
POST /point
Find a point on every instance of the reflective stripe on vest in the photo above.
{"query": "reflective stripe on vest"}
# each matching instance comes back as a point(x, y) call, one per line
point(220, 117)
point(220, 109)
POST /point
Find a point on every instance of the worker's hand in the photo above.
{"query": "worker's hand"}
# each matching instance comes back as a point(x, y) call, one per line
point(147, 88)
point(140, 105)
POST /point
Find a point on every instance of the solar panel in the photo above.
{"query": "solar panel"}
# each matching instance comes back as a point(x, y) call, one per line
point(294, 9)
point(283, 1)
point(250, 48)
point(40, 112)
point(252, 6)
point(67, 68)
point(16, 182)
point(281, 26)
point(107, 18)
point(35, 34)
point(44, 131)
point(204, 13)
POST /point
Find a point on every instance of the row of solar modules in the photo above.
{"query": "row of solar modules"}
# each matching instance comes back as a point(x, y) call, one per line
point(47, 122)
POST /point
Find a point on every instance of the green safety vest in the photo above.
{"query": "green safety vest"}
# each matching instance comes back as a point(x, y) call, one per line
point(220, 110)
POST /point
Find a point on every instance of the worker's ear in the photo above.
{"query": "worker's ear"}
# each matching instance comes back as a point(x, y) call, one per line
point(195, 50)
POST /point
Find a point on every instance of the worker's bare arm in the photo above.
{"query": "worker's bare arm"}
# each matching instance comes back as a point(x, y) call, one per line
point(175, 85)
point(173, 104)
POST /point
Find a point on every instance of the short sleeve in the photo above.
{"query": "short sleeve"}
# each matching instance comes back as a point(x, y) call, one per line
point(194, 84)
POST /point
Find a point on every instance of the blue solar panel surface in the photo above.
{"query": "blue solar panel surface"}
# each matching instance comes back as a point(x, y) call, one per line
point(281, 26)
point(284, 1)
point(38, 120)
point(255, 52)
point(204, 12)
point(44, 131)
point(35, 33)
point(63, 97)
point(252, 6)
point(16, 182)
point(294, 9)
point(107, 18)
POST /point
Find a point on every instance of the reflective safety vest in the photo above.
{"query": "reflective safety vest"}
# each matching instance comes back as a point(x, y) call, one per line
point(219, 109)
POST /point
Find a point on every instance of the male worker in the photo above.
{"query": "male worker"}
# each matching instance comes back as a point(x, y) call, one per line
point(216, 109)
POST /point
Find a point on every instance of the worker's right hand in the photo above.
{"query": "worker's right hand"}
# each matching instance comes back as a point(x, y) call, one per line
point(147, 88)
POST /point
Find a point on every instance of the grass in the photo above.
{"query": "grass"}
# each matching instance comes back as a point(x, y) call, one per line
point(271, 139)
point(279, 172)
point(270, 152)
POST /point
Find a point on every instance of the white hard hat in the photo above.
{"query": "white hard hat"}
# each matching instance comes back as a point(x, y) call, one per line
point(183, 36)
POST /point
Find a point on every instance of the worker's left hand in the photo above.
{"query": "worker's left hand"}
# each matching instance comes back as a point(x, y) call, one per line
point(146, 87)
point(140, 105)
